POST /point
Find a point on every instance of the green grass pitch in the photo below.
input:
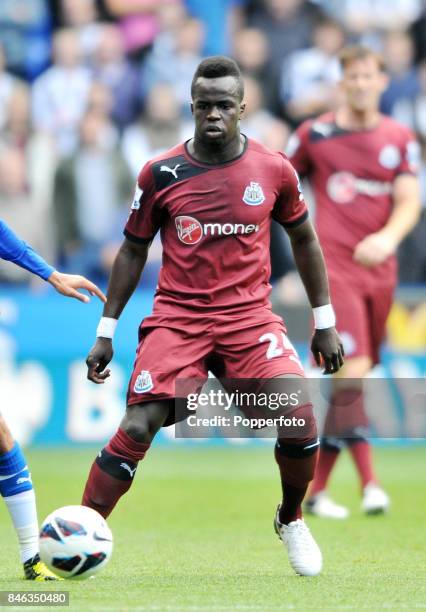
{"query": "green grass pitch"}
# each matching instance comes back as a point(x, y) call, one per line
point(195, 533)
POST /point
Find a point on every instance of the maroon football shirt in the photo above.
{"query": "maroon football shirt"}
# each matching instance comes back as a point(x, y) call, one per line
point(352, 173)
point(215, 225)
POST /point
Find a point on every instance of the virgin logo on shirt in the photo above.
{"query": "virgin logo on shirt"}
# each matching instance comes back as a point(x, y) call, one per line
point(190, 230)
point(342, 187)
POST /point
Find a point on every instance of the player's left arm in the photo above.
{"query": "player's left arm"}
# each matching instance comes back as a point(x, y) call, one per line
point(326, 345)
point(377, 247)
point(291, 212)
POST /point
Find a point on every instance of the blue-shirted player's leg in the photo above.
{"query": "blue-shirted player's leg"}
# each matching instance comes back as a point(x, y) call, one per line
point(15, 480)
point(17, 491)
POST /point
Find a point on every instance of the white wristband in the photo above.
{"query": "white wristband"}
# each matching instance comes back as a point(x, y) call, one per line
point(324, 317)
point(106, 327)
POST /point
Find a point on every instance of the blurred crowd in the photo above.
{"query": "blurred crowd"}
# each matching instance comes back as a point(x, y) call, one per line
point(92, 89)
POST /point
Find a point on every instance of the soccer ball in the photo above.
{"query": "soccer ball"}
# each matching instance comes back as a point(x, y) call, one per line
point(75, 542)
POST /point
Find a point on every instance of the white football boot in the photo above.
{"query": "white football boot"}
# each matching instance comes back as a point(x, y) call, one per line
point(374, 499)
point(323, 506)
point(303, 552)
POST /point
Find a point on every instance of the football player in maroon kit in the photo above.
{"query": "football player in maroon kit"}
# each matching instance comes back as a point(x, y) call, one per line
point(213, 199)
point(362, 169)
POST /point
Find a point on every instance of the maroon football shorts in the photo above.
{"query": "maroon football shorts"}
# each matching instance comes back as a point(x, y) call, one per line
point(361, 314)
point(251, 345)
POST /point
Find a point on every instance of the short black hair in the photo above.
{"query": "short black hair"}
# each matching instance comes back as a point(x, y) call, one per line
point(218, 66)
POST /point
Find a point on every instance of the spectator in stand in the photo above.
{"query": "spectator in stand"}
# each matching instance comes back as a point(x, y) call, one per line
point(364, 17)
point(25, 33)
point(60, 94)
point(256, 120)
point(160, 127)
point(90, 186)
point(174, 58)
point(404, 84)
point(412, 111)
point(251, 51)
point(8, 83)
point(138, 21)
point(82, 16)
point(221, 20)
point(309, 77)
point(258, 123)
point(418, 31)
point(118, 74)
point(16, 125)
point(20, 208)
point(100, 102)
point(288, 26)
point(171, 17)
point(412, 251)
point(18, 134)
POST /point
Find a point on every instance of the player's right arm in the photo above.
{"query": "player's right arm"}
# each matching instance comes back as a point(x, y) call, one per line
point(142, 225)
point(125, 276)
point(375, 248)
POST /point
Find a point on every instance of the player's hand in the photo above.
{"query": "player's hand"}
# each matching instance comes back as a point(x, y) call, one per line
point(67, 284)
point(374, 249)
point(99, 357)
point(328, 350)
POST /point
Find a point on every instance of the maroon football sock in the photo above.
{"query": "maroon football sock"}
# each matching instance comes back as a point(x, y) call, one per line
point(326, 460)
point(291, 507)
point(103, 491)
point(345, 414)
point(363, 459)
point(296, 472)
point(112, 472)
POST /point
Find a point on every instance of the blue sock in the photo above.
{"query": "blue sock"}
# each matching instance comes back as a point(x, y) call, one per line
point(17, 490)
point(14, 474)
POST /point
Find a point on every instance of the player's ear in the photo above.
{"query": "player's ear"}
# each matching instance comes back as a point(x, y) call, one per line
point(192, 108)
point(242, 108)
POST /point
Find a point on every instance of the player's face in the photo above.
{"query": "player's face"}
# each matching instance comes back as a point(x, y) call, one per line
point(217, 109)
point(363, 83)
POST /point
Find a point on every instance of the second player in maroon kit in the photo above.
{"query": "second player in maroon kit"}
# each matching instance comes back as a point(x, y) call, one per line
point(361, 166)
point(352, 173)
point(213, 199)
